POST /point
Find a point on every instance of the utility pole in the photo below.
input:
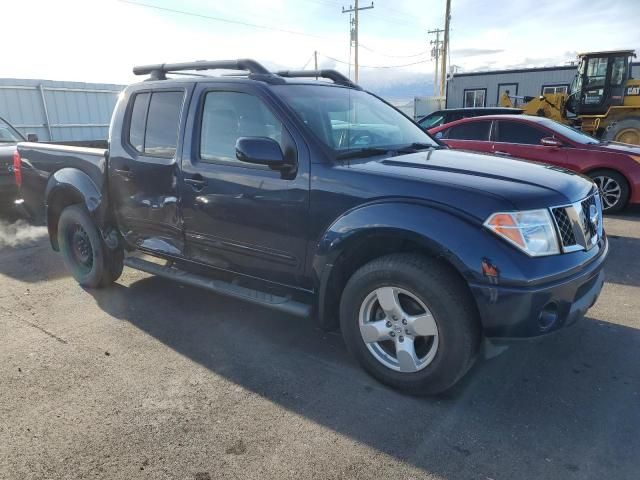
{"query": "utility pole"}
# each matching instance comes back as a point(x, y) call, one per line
point(355, 9)
point(315, 61)
point(435, 55)
point(445, 48)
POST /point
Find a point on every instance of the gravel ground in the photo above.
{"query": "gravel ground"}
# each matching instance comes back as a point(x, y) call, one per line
point(149, 379)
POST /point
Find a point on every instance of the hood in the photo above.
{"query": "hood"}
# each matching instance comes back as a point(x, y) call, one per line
point(511, 184)
point(6, 158)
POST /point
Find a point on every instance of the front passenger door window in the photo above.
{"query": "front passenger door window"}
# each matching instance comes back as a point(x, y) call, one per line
point(521, 140)
point(519, 132)
point(226, 116)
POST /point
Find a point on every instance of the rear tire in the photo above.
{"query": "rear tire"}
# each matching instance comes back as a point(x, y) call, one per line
point(85, 253)
point(614, 189)
point(434, 338)
point(624, 131)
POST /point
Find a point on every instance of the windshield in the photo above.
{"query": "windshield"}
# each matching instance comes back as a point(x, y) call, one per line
point(345, 119)
point(8, 134)
point(572, 134)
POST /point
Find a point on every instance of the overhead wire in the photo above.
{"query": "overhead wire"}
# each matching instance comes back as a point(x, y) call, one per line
point(373, 66)
point(361, 45)
point(307, 62)
point(221, 19)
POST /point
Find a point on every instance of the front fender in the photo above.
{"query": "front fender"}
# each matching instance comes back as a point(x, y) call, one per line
point(65, 187)
point(386, 227)
point(440, 230)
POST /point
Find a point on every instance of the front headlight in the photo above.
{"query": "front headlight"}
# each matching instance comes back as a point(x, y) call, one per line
point(531, 231)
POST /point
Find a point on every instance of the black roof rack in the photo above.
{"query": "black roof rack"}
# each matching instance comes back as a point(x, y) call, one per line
point(159, 71)
point(255, 71)
point(334, 75)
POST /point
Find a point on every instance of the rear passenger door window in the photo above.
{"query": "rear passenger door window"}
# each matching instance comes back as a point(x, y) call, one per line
point(138, 120)
point(519, 132)
point(472, 135)
point(478, 131)
point(154, 121)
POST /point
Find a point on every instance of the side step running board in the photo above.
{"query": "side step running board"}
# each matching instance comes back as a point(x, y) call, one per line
point(283, 304)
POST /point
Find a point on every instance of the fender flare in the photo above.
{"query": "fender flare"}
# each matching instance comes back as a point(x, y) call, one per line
point(417, 222)
point(69, 186)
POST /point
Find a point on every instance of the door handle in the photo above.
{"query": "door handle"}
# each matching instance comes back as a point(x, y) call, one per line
point(197, 182)
point(503, 154)
point(124, 172)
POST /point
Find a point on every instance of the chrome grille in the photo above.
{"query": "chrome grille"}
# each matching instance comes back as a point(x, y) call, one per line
point(587, 225)
point(564, 227)
point(579, 224)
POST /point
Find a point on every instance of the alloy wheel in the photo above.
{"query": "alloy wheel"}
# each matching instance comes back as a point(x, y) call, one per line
point(398, 329)
point(610, 191)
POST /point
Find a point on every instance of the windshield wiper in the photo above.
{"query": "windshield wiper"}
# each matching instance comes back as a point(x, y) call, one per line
point(372, 151)
point(416, 147)
point(364, 152)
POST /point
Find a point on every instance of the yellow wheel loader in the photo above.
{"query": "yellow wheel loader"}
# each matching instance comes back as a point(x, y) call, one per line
point(603, 101)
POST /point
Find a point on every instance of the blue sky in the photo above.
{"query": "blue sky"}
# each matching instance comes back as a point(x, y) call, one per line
point(100, 40)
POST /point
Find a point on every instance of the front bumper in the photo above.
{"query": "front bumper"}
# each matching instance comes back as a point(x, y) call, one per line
point(521, 312)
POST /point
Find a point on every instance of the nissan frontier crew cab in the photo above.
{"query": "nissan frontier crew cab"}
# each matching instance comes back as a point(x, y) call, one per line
point(302, 192)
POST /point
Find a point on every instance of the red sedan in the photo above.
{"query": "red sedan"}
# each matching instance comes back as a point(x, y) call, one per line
point(614, 167)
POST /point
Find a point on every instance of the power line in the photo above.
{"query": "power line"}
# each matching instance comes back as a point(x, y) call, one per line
point(221, 19)
point(307, 62)
point(373, 66)
point(394, 56)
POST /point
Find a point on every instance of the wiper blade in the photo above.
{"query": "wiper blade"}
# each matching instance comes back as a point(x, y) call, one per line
point(416, 147)
point(364, 152)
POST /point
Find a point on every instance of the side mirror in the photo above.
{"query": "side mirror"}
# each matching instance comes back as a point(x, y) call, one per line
point(550, 142)
point(32, 137)
point(261, 151)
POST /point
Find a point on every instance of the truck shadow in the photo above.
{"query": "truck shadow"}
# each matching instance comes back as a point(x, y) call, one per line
point(565, 407)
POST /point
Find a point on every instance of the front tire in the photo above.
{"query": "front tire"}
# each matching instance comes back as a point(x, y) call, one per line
point(85, 253)
point(410, 322)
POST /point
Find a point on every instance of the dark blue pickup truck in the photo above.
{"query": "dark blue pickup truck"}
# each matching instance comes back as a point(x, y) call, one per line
point(301, 192)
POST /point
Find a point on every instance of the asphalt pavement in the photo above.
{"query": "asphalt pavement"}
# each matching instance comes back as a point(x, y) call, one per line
point(151, 379)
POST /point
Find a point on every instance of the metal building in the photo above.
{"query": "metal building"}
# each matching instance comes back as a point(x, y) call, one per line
point(59, 111)
point(483, 89)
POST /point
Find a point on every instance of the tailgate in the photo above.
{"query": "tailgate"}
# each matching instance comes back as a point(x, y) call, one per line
point(6, 159)
point(7, 180)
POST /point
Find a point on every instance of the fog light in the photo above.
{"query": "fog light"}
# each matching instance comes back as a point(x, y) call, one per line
point(548, 316)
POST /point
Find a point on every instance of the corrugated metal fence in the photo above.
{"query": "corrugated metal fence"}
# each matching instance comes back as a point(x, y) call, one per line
point(58, 111)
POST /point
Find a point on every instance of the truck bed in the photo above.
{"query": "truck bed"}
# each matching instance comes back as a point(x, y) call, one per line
point(40, 161)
